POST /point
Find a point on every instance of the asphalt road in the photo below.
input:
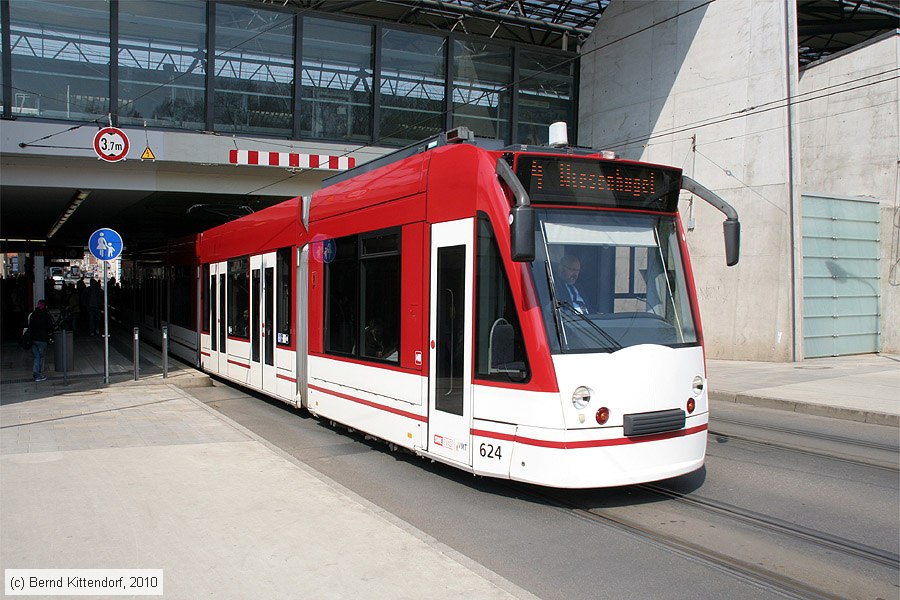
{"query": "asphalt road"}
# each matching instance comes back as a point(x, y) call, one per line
point(785, 507)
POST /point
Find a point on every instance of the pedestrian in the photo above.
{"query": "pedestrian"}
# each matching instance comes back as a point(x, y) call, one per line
point(40, 327)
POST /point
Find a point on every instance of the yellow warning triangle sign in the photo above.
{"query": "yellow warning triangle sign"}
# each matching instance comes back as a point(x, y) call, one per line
point(148, 154)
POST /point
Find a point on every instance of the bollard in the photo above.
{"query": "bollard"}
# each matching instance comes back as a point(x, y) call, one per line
point(137, 352)
point(65, 359)
point(165, 351)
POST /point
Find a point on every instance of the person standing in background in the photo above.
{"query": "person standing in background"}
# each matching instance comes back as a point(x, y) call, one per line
point(40, 327)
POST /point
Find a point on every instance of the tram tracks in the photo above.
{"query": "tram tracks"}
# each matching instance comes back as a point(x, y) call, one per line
point(847, 450)
point(643, 517)
point(825, 540)
point(753, 574)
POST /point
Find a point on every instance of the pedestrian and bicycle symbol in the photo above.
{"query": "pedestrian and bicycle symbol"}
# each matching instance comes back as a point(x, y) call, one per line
point(105, 244)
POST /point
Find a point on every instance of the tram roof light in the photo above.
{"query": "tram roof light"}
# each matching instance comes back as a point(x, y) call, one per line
point(559, 136)
point(608, 154)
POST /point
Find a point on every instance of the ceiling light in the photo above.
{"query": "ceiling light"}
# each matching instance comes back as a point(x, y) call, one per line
point(71, 208)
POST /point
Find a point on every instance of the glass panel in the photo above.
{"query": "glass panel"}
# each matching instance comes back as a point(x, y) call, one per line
point(223, 321)
point(610, 281)
point(255, 290)
point(268, 317)
point(208, 292)
point(381, 296)
point(412, 86)
point(254, 70)
point(284, 267)
point(239, 298)
point(499, 344)
point(482, 82)
point(212, 307)
point(162, 63)
point(841, 268)
point(546, 95)
point(60, 58)
point(451, 313)
point(341, 298)
point(336, 80)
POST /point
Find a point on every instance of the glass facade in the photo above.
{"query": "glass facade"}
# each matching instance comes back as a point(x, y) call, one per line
point(546, 94)
point(482, 88)
point(412, 86)
point(162, 64)
point(254, 70)
point(274, 72)
point(60, 58)
point(336, 80)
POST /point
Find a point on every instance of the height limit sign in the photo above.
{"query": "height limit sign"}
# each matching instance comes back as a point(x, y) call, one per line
point(111, 144)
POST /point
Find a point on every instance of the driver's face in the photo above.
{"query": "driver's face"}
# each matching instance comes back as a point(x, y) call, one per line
point(571, 271)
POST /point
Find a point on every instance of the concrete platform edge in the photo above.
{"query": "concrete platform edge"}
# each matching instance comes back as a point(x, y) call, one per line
point(476, 568)
point(819, 410)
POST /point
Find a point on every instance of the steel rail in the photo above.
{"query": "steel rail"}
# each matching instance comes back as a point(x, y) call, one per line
point(826, 540)
point(749, 573)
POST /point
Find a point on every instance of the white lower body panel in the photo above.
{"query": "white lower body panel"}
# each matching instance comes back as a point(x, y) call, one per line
point(582, 459)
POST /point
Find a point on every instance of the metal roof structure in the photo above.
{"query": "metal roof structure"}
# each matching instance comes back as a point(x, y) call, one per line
point(828, 26)
point(824, 26)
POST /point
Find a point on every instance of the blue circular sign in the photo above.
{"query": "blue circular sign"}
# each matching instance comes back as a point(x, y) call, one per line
point(329, 250)
point(105, 244)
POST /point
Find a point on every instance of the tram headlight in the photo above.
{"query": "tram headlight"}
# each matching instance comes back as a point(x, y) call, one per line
point(581, 397)
point(698, 385)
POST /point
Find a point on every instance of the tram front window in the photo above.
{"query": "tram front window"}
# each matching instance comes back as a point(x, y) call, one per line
point(608, 281)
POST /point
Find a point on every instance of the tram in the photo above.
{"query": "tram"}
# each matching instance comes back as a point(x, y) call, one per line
point(526, 313)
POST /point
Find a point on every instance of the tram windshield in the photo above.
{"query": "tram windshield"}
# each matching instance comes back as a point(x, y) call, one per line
point(607, 281)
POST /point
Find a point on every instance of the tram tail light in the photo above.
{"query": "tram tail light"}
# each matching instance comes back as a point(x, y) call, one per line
point(602, 415)
point(691, 405)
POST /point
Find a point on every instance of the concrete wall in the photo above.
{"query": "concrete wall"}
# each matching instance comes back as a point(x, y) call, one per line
point(850, 146)
point(657, 76)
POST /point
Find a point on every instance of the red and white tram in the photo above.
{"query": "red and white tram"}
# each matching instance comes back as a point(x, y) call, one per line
point(523, 313)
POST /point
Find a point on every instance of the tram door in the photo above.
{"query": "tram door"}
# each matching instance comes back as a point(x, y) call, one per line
point(218, 336)
point(262, 319)
point(450, 341)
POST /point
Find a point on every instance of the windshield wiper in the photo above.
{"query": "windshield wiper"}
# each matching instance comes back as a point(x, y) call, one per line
point(610, 340)
point(557, 317)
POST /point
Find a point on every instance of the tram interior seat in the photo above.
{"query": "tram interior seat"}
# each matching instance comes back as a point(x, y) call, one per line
point(501, 349)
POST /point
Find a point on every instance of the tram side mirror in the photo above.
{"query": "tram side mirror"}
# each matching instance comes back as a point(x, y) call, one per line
point(732, 230)
point(521, 233)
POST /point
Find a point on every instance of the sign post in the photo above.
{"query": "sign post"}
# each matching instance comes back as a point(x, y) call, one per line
point(105, 245)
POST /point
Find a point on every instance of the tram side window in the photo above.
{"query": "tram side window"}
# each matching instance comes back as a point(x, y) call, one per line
point(500, 347)
point(206, 289)
point(380, 279)
point(283, 318)
point(239, 297)
point(341, 298)
point(362, 297)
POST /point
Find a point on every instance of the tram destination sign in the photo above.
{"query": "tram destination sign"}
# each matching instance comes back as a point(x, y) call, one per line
point(593, 182)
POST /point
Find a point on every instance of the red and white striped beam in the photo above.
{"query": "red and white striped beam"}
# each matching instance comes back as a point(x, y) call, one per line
point(291, 159)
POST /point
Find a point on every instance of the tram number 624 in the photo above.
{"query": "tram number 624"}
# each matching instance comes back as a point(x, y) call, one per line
point(489, 451)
